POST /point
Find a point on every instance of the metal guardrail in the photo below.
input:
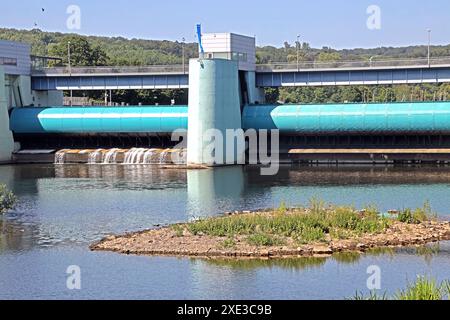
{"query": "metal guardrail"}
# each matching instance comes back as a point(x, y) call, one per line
point(156, 69)
point(421, 62)
point(271, 67)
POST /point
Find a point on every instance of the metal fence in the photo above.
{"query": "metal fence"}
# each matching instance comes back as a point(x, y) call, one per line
point(355, 64)
point(156, 69)
point(274, 66)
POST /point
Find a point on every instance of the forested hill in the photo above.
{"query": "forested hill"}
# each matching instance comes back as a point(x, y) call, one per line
point(101, 51)
point(122, 51)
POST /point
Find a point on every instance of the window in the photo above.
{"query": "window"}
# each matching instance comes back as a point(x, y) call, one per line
point(239, 56)
point(8, 61)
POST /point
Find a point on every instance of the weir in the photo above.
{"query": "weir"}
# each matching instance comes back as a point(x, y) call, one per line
point(224, 94)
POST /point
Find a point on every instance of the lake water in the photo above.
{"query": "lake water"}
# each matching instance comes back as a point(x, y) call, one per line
point(63, 209)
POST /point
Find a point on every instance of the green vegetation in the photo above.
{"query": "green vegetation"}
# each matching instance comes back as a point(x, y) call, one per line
point(422, 289)
point(179, 230)
point(7, 199)
point(303, 225)
point(264, 240)
point(357, 94)
point(418, 215)
point(119, 51)
point(229, 243)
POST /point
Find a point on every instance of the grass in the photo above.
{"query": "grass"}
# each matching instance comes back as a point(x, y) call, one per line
point(303, 225)
point(7, 199)
point(423, 289)
point(178, 229)
point(316, 223)
point(264, 240)
point(418, 215)
point(229, 243)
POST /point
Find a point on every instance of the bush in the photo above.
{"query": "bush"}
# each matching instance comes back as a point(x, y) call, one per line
point(7, 199)
point(417, 216)
point(264, 240)
point(308, 235)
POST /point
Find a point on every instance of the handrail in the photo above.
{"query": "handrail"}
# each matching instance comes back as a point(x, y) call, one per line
point(419, 62)
point(156, 69)
point(273, 66)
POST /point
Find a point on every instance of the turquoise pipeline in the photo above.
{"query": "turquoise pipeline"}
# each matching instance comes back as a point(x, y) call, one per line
point(320, 119)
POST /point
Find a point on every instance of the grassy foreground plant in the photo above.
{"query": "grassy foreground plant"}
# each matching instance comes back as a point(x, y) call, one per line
point(7, 199)
point(424, 289)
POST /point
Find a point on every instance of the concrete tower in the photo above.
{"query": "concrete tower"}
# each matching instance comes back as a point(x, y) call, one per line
point(214, 107)
point(6, 138)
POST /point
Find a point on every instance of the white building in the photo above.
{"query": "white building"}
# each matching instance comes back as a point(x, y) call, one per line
point(231, 46)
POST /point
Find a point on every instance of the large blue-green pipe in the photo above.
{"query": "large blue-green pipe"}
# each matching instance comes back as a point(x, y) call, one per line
point(433, 117)
point(99, 120)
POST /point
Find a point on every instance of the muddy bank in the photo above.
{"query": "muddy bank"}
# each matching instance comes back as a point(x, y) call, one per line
point(179, 241)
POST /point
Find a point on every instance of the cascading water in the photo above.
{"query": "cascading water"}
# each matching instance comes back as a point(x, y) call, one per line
point(110, 156)
point(162, 158)
point(148, 156)
point(95, 156)
point(134, 156)
point(60, 157)
point(115, 156)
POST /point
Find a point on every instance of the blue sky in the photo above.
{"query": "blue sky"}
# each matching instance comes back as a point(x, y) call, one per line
point(335, 23)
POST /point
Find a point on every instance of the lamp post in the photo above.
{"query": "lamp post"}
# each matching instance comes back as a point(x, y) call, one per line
point(429, 48)
point(298, 52)
point(370, 60)
point(70, 70)
point(183, 49)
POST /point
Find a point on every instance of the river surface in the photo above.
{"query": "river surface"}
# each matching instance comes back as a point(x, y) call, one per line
point(62, 209)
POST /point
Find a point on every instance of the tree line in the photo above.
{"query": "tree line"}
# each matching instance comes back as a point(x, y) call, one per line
point(119, 51)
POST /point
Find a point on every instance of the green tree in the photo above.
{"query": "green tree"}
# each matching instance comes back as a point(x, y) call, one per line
point(328, 57)
point(82, 53)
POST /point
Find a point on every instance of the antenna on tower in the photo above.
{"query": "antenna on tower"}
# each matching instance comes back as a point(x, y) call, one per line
point(200, 43)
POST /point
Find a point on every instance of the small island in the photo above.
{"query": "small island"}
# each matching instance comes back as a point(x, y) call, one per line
point(316, 230)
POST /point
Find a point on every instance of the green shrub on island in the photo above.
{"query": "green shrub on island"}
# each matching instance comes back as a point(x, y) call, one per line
point(303, 225)
point(7, 199)
point(418, 215)
point(422, 289)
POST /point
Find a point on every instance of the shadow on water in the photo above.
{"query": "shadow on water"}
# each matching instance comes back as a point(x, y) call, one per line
point(427, 252)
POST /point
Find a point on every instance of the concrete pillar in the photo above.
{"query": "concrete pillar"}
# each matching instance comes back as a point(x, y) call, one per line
point(48, 98)
point(6, 138)
point(255, 95)
point(213, 104)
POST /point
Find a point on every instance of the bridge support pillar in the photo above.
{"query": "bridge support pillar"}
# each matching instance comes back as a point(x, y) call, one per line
point(255, 95)
point(6, 138)
point(214, 107)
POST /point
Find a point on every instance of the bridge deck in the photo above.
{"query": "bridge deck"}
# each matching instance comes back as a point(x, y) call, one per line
point(386, 72)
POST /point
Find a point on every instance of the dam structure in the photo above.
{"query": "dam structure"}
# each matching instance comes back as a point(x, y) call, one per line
point(226, 91)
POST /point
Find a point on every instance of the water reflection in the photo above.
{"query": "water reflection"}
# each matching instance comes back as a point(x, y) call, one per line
point(78, 204)
point(63, 209)
point(427, 252)
point(210, 189)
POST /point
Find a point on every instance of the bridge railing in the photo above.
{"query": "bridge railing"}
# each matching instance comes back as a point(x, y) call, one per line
point(270, 67)
point(156, 69)
point(389, 63)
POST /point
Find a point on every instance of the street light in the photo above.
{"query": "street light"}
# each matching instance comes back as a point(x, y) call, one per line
point(70, 70)
point(371, 59)
point(182, 45)
point(298, 52)
point(429, 48)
